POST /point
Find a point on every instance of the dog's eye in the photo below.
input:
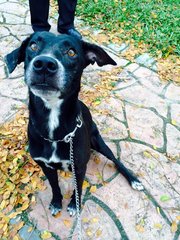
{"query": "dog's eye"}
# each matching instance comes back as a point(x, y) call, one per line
point(34, 47)
point(71, 53)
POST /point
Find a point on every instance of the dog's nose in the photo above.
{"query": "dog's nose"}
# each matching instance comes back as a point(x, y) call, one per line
point(45, 64)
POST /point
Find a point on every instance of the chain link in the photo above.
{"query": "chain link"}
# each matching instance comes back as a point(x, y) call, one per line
point(71, 156)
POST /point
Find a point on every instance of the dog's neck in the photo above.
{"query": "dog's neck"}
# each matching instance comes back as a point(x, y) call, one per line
point(53, 117)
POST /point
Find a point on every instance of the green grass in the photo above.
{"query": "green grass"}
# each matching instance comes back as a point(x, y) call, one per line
point(156, 23)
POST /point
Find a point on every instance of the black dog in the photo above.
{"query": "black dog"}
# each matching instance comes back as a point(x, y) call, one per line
point(53, 68)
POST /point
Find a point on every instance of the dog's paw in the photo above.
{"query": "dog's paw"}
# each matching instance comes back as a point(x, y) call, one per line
point(55, 209)
point(137, 185)
point(72, 209)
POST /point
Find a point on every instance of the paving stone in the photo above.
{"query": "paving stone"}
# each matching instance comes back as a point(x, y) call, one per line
point(125, 80)
point(40, 215)
point(114, 47)
point(145, 125)
point(4, 32)
point(1, 18)
point(175, 113)
point(145, 59)
point(120, 198)
point(22, 31)
point(112, 106)
point(14, 88)
point(91, 78)
point(132, 67)
point(97, 223)
point(123, 47)
point(13, 18)
point(27, 18)
point(143, 72)
point(99, 168)
point(2, 1)
point(173, 141)
point(173, 92)
point(2, 71)
point(109, 127)
point(8, 108)
point(8, 44)
point(15, 8)
point(153, 83)
point(156, 172)
point(25, 234)
point(118, 48)
point(141, 96)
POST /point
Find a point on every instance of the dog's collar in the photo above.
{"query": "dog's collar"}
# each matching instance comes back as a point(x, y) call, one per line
point(69, 136)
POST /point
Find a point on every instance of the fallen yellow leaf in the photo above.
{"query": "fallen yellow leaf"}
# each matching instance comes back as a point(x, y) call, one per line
point(98, 233)
point(158, 225)
point(85, 220)
point(26, 179)
point(85, 184)
point(173, 122)
point(93, 189)
point(94, 220)
point(139, 228)
point(30, 229)
point(16, 237)
point(25, 206)
point(89, 232)
point(67, 223)
point(13, 214)
point(46, 234)
point(174, 226)
point(19, 225)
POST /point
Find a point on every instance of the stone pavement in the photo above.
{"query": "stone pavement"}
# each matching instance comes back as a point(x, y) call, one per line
point(139, 119)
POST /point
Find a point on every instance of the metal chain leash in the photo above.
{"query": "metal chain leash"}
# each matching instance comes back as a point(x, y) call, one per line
point(69, 139)
point(71, 156)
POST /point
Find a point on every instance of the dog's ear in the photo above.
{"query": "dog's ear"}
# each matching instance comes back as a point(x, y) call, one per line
point(94, 53)
point(17, 56)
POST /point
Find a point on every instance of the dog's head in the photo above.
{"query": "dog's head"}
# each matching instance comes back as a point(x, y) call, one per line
point(54, 64)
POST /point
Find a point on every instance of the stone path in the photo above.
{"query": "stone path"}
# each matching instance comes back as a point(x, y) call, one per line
point(140, 121)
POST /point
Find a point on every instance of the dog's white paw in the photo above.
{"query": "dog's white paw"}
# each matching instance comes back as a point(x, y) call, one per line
point(137, 186)
point(72, 211)
point(54, 210)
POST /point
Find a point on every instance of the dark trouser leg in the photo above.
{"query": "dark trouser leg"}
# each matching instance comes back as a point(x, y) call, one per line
point(66, 14)
point(39, 10)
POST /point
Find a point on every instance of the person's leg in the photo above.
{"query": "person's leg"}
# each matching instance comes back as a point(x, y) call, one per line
point(66, 17)
point(39, 10)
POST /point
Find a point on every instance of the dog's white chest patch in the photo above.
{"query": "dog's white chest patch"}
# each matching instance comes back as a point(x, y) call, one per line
point(53, 121)
point(65, 163)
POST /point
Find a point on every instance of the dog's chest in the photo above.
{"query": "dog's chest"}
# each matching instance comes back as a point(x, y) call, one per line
point(55, 161)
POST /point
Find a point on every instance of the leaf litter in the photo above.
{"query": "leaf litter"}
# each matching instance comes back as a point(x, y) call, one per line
point(20, 177)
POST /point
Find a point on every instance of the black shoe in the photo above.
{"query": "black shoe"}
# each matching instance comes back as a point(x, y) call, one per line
point(72, 32)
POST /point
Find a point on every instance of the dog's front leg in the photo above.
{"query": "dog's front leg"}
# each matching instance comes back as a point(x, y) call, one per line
point(80, 174)
point(56, 202)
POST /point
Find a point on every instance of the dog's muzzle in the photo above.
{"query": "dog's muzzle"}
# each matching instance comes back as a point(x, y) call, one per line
point(44, 73)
